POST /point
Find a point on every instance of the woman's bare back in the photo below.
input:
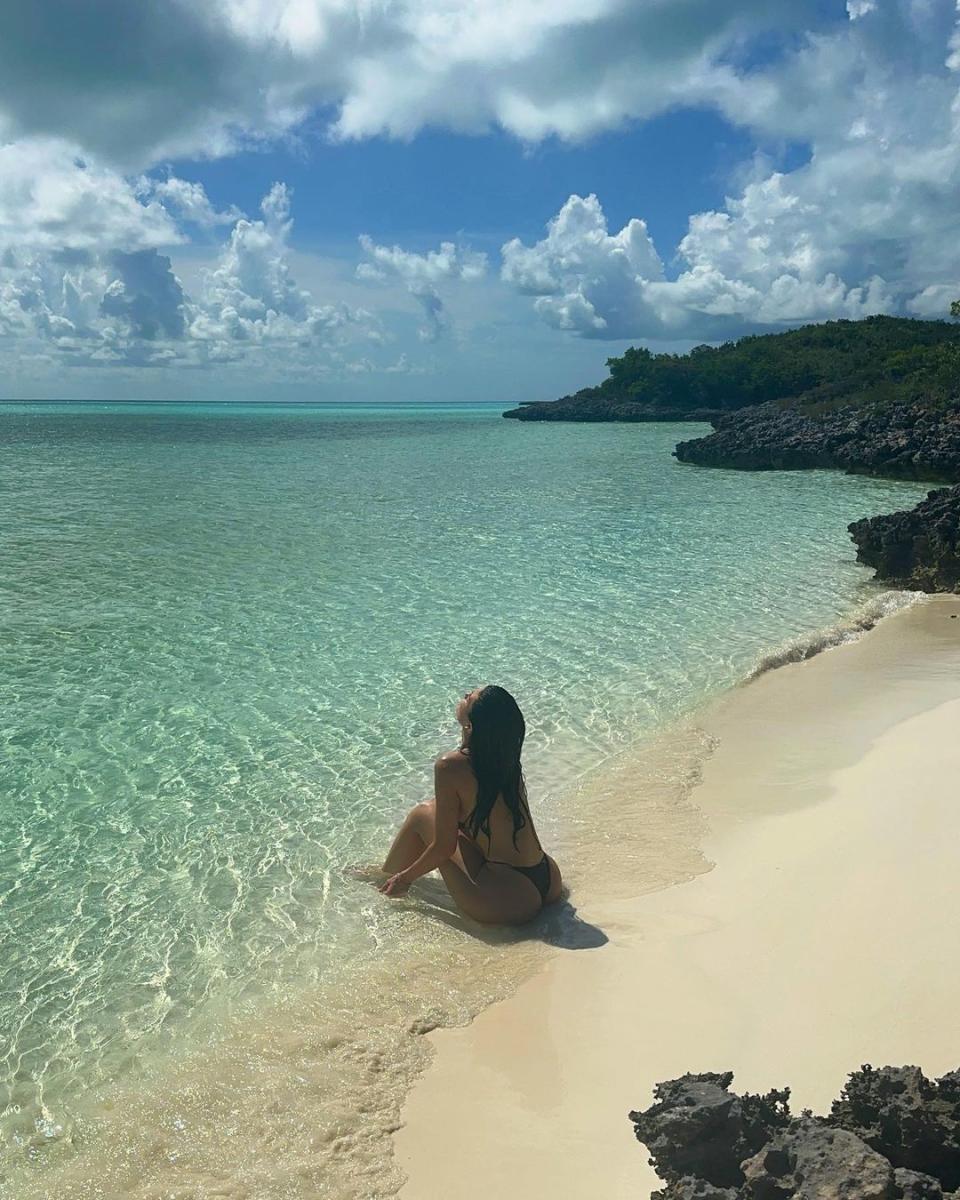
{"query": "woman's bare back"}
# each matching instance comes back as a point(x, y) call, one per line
point(499, 849)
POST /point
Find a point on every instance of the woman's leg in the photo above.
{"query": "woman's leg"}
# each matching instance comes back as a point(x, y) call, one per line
point(416, 833)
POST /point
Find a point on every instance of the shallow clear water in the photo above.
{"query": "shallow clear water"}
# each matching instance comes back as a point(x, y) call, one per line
point(231, 639)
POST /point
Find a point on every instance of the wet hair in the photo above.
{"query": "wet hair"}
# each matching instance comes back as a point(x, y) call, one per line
point(497, 730)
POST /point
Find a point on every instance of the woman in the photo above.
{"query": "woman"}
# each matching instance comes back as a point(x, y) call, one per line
point(477, 829)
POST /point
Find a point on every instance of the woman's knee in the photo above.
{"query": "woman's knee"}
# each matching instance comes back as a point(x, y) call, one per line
point(422, 814)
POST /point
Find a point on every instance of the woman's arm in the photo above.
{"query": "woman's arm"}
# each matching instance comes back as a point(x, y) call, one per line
point(445, 830)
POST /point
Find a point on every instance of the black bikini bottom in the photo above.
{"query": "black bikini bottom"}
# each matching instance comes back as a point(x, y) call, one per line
point(538, 875)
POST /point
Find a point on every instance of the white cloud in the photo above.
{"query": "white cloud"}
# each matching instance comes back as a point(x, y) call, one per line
point(189, 79)
point(52, 196)
point(400, 366)
point(934, 301)
point(741, 270)
point(251, 295)
point(449, 262)
point(582, 275)
point(78, 291)
point(119, 307)
point(570, 68)
point(189, 201)
point(421, 273)
point(867, 224)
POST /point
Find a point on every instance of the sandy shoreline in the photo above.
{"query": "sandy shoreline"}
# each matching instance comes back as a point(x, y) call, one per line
point(824, 937)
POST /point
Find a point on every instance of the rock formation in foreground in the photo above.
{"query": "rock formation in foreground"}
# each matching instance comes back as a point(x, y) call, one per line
point(899, 441)
point(892, 1135)
point(917, 549)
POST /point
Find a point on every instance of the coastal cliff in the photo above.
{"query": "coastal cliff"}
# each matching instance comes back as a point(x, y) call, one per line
point(917, 549)
point(892, 1135)
point(897, 441)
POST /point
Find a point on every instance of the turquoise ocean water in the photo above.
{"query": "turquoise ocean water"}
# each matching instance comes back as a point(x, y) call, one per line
point(231, 639)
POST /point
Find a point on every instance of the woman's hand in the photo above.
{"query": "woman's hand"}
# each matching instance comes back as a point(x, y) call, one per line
point(396, 886)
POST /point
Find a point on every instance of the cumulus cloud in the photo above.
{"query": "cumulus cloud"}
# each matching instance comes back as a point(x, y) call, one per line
point(90, 309)
point(144, 294)
point(421, 273)
point(188, 79)
point(251, 296)
point(581, 275)
point(189, 201)
point(134, 83)
point(866, 225)
point(92, 301)
point(601, 285)
point(449, 262)
point(52, 196)
point(55, 196)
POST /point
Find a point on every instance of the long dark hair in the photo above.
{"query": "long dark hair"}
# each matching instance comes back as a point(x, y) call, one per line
point(496, 739)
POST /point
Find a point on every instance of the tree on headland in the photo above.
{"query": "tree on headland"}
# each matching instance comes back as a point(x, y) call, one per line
point(819, 367)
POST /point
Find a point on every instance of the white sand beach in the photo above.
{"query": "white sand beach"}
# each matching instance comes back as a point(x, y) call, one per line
point(825, 936)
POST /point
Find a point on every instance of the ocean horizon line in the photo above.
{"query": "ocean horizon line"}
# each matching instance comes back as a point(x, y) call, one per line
point(280, 403)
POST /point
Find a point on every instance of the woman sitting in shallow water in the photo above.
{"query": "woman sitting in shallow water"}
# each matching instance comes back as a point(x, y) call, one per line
point(477, 829)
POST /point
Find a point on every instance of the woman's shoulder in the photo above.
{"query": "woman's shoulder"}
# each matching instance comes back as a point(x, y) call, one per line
point(453, 768)
point(452, 760)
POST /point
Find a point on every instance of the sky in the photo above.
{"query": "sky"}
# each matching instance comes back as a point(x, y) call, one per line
point(440, 200)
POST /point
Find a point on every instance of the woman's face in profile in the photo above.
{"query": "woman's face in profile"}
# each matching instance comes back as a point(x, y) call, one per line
point(463, 705)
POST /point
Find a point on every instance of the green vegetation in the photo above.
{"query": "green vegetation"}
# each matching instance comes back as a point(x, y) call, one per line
point(880, 358)
point(816, 367)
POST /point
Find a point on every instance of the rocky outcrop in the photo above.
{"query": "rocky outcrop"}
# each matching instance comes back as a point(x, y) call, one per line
point(699, 1128)
point(811, 1161)
point(584, 406)
point(892, 1135)
point(901, 441)
point(909, 1119)
point(918, 548)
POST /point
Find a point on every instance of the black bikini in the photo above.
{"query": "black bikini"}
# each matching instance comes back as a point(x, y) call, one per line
point(538, 874)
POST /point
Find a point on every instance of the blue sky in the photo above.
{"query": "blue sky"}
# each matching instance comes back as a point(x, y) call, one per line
point(431, 199)
point(488, 188)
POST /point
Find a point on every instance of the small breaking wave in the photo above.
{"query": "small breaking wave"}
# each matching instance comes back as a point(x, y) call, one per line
point(848, 629)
